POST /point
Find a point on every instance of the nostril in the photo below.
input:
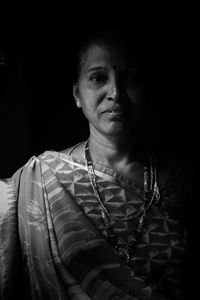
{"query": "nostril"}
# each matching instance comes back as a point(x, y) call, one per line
point(116, 89)
point(114, 94)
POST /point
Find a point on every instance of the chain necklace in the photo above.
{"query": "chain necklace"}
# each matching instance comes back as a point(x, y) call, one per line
point(151, 194)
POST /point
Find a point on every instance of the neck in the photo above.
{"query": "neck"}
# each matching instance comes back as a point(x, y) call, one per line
point(112, 150)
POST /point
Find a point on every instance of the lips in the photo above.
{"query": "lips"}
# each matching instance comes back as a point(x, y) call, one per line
point(114, 109)
point(115, 113)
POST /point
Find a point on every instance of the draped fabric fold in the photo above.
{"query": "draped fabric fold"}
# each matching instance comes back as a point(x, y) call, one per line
point(53, 243)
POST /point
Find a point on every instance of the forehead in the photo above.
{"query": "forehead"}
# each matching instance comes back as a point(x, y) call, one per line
point(106, 55)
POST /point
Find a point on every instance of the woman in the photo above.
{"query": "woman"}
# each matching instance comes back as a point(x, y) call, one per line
point(100, 220)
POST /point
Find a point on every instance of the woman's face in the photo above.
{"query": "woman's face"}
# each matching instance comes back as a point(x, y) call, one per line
point(110, 90)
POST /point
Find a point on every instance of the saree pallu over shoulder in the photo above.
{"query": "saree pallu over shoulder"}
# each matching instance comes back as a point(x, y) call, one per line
point(50, 248)
point(10, 258)
point(25, 224)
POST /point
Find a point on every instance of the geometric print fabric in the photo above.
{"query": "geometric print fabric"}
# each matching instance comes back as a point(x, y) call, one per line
point(159, 254)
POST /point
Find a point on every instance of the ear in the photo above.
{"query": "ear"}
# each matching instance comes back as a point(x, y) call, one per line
point(76, 95)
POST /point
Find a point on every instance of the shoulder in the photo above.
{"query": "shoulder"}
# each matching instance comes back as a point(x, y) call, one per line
point(52, 160)
point(173, 166)
point(176, 172)
point(76, 152)
point(47, 159)
point(176, 180)
point(7, 196)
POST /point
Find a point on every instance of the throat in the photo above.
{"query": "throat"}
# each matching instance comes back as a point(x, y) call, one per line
point(122, 160)
point(107, 152)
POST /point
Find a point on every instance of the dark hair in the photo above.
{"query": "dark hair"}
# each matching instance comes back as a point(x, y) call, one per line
point(127, 40)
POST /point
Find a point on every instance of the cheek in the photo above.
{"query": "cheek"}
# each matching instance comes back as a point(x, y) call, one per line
point(88, 103)
point(136, 97)
point(90, 98)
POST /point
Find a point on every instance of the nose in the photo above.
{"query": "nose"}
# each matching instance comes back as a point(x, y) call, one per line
point(115, 89)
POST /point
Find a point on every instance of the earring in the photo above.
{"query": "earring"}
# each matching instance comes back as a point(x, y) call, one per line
point(78, 104)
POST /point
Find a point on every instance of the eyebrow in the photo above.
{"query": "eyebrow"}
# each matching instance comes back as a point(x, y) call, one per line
point(96, 69)
point(102, 68)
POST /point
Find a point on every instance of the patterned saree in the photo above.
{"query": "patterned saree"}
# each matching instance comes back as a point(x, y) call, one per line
point(53, 242)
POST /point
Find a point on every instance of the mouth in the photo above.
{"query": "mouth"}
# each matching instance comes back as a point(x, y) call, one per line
point(115, 113)
point(114, 110)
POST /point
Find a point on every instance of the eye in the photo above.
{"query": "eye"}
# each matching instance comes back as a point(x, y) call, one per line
point(134, 79)
point(98, 78)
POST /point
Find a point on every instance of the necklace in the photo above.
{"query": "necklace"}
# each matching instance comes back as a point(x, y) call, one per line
point(151, 194)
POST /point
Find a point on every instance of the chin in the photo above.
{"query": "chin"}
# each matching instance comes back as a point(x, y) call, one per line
point(115, 130)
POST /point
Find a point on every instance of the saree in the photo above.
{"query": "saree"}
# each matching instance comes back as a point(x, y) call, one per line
point(53, 242)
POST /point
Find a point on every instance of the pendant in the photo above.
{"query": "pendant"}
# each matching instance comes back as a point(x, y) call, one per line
point(123, 252)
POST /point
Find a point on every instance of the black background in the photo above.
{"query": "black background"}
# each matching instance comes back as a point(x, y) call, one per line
point(39, 45)
point(38, 48)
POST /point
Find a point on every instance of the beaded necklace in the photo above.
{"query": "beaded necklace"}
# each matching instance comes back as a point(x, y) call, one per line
point(151, 194)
